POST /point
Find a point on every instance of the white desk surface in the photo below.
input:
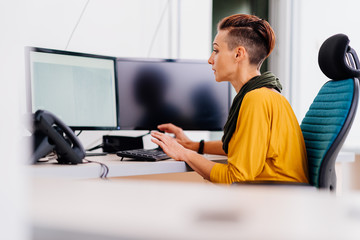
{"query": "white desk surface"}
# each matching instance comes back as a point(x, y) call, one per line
point(117, 168)
point(123, 209)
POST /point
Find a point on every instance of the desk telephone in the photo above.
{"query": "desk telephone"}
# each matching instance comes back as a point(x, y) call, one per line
point(52, 134)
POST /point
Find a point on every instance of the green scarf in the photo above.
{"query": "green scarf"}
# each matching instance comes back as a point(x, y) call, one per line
point(266, 79)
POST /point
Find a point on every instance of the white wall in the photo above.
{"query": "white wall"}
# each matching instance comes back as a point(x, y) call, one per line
point(302, 26)
point(331, 17)
point(123, 28)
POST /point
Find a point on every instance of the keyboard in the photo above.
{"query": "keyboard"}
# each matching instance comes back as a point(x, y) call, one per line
point(143, 154)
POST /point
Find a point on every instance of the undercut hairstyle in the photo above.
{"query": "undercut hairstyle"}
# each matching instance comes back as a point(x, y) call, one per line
point(251, 32)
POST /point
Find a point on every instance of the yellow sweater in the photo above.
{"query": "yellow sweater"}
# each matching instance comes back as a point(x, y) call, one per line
point(267, 143)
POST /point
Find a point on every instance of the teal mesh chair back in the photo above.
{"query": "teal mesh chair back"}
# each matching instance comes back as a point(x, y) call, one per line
point(330, 116)
point(323, 123)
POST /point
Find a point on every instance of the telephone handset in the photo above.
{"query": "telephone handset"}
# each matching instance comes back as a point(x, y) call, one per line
point(52, 134)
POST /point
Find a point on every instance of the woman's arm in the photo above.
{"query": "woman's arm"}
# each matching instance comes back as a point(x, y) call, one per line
point(178, 152)
point(214, 147)
point(199, 164)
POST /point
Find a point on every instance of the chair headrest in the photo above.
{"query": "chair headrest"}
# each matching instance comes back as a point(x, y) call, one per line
point(337, 60)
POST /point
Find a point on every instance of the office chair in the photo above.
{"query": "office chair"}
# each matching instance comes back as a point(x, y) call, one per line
point(329, 119)
point(330, 116)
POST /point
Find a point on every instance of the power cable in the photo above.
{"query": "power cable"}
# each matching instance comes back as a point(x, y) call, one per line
point(104, 168)
point(158, 27)
point(77, 23)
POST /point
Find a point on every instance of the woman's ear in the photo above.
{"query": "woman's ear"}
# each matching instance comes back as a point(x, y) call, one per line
point(240, 53)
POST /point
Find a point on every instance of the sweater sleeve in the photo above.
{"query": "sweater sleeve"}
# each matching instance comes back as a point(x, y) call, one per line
point(249, 143)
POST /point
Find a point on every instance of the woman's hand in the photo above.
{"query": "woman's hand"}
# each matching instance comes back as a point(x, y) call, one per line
point(180, 136)
point(172, 147)
point(169, 145)
point(177, 152)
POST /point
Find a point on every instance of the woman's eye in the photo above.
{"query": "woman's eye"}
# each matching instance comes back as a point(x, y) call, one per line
point(215, 51)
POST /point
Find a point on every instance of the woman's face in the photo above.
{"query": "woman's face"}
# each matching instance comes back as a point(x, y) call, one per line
point(222, 59)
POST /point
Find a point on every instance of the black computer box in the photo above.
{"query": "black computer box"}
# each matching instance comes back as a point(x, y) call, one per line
point(112, 144)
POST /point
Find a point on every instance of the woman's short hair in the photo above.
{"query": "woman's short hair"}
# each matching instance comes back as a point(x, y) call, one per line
point(251, 32)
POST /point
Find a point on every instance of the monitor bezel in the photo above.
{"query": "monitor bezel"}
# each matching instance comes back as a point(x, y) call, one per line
point(169, 60)
point(29, 49)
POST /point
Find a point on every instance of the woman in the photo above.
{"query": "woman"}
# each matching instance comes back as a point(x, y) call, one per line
point(262, 137)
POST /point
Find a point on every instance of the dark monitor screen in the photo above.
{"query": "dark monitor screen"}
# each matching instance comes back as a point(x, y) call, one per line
point(79, 88)
point(181, 92)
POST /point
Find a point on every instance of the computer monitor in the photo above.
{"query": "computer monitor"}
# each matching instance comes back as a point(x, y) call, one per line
point(79, 88)
point(182, 92)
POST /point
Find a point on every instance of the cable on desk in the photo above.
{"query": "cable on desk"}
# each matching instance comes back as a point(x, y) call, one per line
point(104, 168)
point(79, 133)
point(96, 147)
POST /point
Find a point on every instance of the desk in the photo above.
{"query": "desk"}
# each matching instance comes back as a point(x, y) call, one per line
point(61, 208)
point(117, 168)
point(168, 170)
point(123, 209)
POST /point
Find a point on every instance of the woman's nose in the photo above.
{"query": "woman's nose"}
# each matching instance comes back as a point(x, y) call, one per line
point(210, 60)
